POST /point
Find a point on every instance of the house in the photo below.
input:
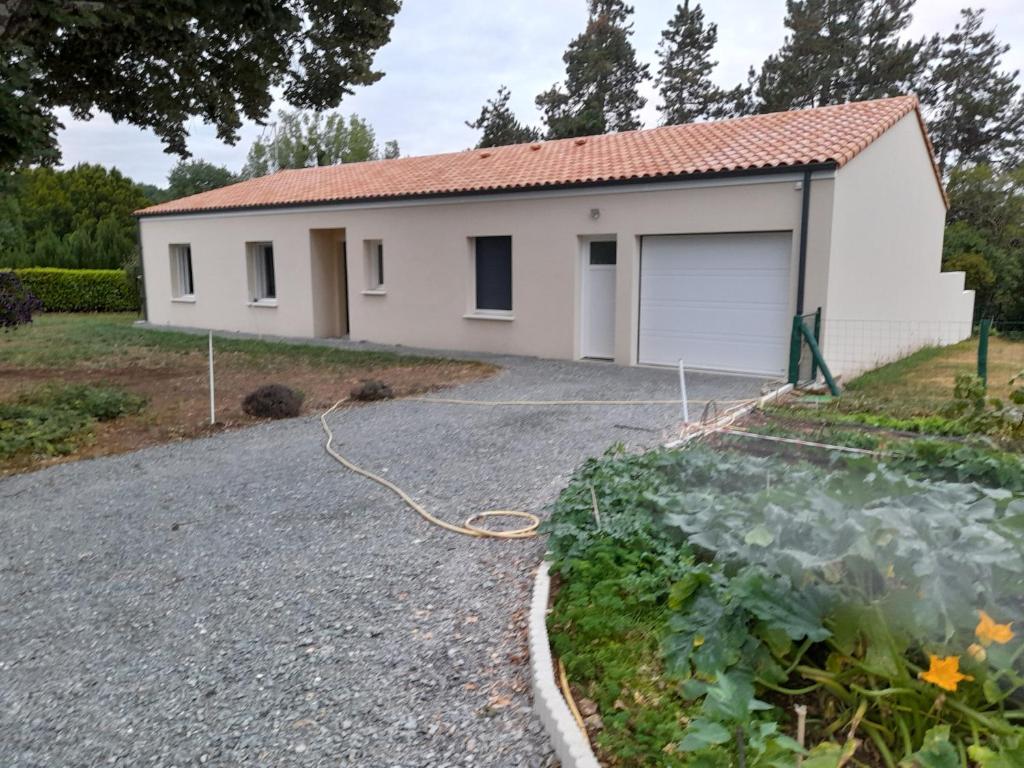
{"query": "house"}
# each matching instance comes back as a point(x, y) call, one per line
point(698, 242)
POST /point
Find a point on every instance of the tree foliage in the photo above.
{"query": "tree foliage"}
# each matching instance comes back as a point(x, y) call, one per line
point(156, 65)
point(602, 78)
point(190, 177)
point(975, 107)
point(309, 139)
point(78, 218)
point(838, 51)
point(499, 123)
point(684, 72)
point(985, 237)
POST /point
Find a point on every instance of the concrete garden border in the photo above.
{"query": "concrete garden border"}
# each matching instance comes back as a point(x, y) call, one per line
point(569, 742)
point(571, 746)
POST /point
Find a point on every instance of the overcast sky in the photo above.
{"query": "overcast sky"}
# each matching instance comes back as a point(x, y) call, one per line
point(446, 57)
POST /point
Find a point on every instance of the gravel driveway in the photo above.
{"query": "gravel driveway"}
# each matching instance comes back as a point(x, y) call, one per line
point(243, 600)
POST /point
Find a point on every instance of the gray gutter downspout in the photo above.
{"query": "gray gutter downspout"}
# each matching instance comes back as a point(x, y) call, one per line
point(805, 207)
point(143, 301)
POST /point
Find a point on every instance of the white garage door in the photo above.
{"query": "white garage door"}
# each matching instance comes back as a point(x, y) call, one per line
point(716, 301)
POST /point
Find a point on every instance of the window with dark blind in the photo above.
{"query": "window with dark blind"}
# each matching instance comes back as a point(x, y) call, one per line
point(374, 264)
point(494, 273)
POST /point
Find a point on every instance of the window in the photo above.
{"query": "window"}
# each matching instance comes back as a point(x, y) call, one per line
point(374, 265)
point(493, 258)
point(602, 253)
point(262, 286)
point(182, 286)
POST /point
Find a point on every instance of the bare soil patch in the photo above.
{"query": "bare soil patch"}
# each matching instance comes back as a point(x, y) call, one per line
point(176, 388)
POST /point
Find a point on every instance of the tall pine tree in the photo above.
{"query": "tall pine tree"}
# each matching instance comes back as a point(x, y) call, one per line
point(975, 109)
point(684, 72)
point(602, 78)
point(838, 51)
point(500, 125)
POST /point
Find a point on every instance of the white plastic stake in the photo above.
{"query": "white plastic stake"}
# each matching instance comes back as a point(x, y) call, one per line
point(682, 393)
point(213, 417)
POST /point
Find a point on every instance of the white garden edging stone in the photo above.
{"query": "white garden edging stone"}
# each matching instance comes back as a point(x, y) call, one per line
point(571, 746)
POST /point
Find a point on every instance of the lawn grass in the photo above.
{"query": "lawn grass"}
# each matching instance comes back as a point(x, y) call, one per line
point(55, 340)
point(922, 383)
point(917, 395)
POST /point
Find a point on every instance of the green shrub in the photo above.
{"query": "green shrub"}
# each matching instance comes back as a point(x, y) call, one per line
point(81, 290)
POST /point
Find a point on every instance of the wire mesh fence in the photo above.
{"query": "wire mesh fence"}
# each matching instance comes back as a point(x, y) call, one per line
point(852, 347)
point(993, 350)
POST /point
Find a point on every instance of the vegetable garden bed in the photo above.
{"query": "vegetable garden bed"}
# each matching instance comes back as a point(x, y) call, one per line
point(707, 596)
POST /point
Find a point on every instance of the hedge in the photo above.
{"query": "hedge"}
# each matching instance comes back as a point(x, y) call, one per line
point(81, 290)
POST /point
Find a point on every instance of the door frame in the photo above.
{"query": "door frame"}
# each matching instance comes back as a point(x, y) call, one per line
point(341, 286)
point(583, 261)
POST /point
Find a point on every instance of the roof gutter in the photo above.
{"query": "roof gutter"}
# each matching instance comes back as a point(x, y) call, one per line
point(806, 168)
point(141, 279)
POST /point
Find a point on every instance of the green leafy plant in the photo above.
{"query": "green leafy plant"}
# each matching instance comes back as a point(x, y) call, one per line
point(854, 589)
point(28, 429)
point(98, 402)
point(54, 420)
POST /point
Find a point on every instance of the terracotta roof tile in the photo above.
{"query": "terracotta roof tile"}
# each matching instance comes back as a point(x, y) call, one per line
point(783, 139)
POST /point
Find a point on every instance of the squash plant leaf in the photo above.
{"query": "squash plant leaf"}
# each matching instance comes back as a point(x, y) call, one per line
point(798, 613)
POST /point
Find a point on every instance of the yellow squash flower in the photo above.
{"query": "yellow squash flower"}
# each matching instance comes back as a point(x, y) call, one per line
point(944, 672)
point(989, 632)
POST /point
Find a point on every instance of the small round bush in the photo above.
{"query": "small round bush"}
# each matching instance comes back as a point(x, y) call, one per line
point(273, 401)
point(372, 390)
point(17, 303)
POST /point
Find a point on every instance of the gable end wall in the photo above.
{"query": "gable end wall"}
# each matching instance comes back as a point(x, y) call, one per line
point(887, 295)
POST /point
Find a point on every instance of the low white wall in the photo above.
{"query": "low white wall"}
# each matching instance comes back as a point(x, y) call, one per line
point(887, 295)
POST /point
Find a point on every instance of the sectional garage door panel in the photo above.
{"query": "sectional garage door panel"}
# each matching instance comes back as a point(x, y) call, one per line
point(717, 301)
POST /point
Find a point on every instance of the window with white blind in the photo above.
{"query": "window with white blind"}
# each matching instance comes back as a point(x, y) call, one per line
point(182, 283)
point(262, 282)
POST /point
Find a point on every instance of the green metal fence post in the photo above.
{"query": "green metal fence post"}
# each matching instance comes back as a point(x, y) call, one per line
point(986, 326)
point(794, 352)
point(816, 352)
point(817, 338)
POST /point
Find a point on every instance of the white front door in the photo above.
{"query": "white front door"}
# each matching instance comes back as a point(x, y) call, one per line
point(598, 337)
point(717, 301)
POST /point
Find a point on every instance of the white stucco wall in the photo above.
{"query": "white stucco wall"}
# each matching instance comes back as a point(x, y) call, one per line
point(429, 268)
point(886, 294)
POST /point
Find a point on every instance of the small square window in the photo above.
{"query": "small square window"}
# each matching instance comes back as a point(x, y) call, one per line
point(262, 284)
point(374, 265)
point(602, 253)
point(182, 284)
point(493, 262)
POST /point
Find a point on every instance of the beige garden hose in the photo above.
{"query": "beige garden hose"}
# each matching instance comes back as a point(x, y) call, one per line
point(469, 527)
